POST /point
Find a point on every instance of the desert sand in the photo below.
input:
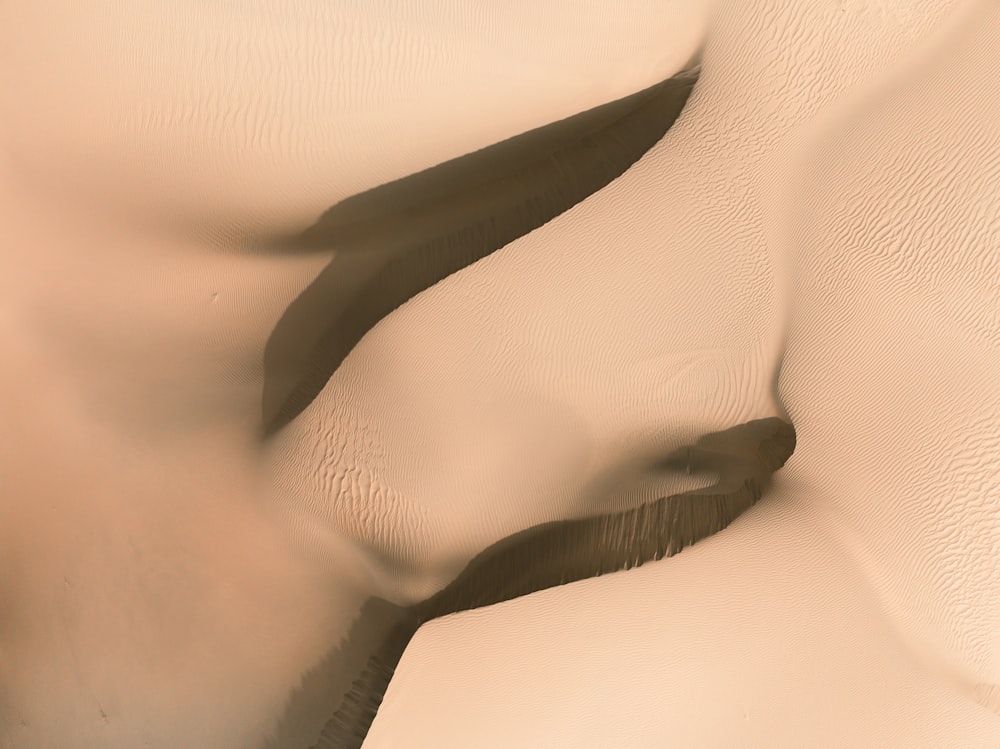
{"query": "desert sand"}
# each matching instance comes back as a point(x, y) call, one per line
point(813, 242)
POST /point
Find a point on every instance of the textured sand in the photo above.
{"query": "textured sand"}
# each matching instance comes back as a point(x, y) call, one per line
point(859, 603)
point(396, 240)
point(815, 239)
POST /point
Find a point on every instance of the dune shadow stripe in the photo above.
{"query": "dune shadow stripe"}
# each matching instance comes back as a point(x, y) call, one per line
point(565, 551)
point(348, 683)
point(396, 240)
point(544, 556)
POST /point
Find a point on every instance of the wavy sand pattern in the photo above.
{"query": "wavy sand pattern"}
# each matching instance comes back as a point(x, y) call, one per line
point(519, 299)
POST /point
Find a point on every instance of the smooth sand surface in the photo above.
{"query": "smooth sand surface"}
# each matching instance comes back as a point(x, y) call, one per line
point(742, 460)
point(813, 240)
point(859, 603)
point(396, 240)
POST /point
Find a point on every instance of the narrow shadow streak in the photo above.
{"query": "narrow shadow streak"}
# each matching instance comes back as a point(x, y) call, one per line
point(396, 240)
point(546, 555)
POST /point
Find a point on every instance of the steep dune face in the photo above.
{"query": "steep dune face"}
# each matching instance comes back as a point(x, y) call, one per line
point(166, 580)
point(147, 159)
point(857, 605)
point(395, 241)
point(224, 120)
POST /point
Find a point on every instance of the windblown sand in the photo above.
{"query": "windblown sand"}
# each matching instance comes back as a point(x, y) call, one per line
point(815, 240)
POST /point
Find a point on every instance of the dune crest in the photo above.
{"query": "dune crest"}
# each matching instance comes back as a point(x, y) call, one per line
point(585, 364)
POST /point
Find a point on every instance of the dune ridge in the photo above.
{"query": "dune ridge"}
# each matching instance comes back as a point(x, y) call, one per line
point(813, 241)
point(744, 457)
point(858, 605)
point(398, 239)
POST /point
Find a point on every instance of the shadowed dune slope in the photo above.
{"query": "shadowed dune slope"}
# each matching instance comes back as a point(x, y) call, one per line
point(507, 372)
point(859, 606)
point(744, 457)
point(396, 240)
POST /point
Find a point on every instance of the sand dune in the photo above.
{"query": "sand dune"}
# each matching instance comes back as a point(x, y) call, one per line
point(598, 384)
point(397, 240)
point(857, 604)
point(742, 458)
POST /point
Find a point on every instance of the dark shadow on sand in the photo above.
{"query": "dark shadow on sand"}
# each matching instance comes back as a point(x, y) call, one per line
point(744, 458)
point(396, 240)
point(339, 697)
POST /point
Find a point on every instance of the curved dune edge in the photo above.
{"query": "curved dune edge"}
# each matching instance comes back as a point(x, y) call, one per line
point(888, 507)
point(840, 445)
point(398, 239)
point(547, 555)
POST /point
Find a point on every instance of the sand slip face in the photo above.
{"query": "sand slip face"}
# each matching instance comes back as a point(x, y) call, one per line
point(170, 583)
point(857, 605)
point(225, 119)
point(144, 153)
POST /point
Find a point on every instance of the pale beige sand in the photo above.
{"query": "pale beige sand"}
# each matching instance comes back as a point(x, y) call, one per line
point(164, 584)
point(394, 241)
point(859, 604)
point(550, 554)
point(152, 595)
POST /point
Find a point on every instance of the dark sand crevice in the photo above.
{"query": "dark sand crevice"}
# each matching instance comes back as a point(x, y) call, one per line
point(396, 240)
point(550, 554)
point(378, 636)
point(560, 552)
